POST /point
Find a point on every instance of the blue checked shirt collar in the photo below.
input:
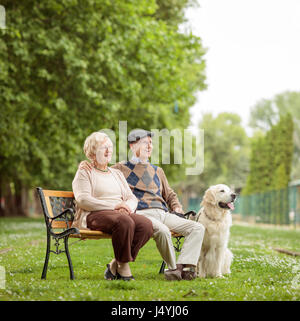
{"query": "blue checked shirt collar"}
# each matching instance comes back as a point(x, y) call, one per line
point(136, 160)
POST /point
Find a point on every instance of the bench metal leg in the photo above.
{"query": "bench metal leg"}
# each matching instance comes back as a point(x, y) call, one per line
point(177, 248)
point(162, 268)
point(69, 257)
point(44, 273)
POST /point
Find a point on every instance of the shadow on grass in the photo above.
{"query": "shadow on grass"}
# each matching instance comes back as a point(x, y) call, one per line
point(121, 285)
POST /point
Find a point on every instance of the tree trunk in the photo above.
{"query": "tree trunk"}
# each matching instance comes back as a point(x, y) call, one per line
point(37, 207)
point(13, 199)
point(2, 201)
point(21, 199)
point(10, 206)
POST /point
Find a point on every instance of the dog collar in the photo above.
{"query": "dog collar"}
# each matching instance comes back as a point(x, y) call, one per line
point(210, 218)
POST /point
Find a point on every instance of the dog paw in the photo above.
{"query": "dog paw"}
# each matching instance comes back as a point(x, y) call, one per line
point(220, 276)
point(226, 272)
point(201, 275)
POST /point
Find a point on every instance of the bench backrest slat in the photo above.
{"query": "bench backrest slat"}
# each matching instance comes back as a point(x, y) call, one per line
point(48, 192)
point(61, 224)
point(49, 207)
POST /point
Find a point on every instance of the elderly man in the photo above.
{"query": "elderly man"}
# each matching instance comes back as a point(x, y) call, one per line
point(150, 185)
point(156, 200)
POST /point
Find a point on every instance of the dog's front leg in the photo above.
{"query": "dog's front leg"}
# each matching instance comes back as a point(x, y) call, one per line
point(227, 262)
point(201, 269)
point(220, 251)
point(212, 266)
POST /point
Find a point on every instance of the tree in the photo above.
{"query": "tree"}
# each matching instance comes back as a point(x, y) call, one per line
point(69, 68)
point(271, 158)
point(267, 112)
point(259, 164)
point(172, 11)
point(226, 150)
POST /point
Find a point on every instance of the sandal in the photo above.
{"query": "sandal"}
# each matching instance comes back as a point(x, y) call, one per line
point(108, 275)
point(125, 278)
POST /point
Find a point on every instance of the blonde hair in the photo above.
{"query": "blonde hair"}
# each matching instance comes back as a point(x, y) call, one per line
point(92, 142)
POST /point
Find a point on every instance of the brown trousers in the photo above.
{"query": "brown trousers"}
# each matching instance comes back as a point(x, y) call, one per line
point(129, 232)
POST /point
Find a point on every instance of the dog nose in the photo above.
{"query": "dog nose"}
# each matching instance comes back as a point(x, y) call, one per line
point(233, 196)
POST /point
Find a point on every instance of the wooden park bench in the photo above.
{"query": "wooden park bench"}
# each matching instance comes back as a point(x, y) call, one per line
point(59, 210)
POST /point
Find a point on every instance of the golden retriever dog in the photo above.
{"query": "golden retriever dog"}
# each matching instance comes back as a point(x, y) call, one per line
point(215, 258)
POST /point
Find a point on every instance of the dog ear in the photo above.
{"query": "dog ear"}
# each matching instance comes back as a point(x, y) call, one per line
point(209, 197)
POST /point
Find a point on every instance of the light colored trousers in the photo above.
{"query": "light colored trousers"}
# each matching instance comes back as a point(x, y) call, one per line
point(164, 222)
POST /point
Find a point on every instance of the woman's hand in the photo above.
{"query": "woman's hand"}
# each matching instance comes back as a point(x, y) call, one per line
point(123, 208)
point(122, 211)
point(85, 165)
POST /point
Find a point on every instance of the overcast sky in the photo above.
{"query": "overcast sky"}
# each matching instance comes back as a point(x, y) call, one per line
point(253, 52)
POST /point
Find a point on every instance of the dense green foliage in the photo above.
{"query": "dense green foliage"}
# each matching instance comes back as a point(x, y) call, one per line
point(172, 11)
point(267, 112)
point(258, 272)
point(226, 152)
point(68, 68)
point(271, 158)
point(226, 149)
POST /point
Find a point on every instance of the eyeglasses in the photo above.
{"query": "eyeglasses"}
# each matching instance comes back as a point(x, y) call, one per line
point(108, 147)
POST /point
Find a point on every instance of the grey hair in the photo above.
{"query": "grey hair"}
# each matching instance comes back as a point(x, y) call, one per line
point(92, 142)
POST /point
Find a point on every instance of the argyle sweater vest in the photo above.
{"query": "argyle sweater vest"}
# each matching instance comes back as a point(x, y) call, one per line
point(144, 183)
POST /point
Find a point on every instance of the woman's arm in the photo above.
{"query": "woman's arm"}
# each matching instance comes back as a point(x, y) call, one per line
point(131, 201)
point(82, 192)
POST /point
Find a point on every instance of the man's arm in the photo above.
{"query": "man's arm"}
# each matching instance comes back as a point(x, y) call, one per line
point(168, 194)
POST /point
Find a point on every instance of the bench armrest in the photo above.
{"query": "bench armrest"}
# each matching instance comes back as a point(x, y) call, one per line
point(186, 215)
point(70, 210)
point(189, 213)
point(69, 230)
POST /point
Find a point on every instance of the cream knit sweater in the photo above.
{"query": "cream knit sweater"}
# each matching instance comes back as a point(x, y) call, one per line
point(94, 191)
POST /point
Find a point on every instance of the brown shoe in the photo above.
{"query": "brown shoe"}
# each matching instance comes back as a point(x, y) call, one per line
point(180, 267)
point(189, 273)
point(173, 275)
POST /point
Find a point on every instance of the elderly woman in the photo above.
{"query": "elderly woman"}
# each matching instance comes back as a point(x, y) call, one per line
point(104, 202)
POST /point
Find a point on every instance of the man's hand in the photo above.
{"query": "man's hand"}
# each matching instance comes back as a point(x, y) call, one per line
point(85, 165)
point(123, 208)
point(178, 210)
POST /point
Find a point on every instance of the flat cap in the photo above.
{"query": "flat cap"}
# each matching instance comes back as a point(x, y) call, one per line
point(137, 134)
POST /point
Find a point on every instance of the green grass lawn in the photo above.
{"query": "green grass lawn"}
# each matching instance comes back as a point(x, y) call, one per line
point(258, 272)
